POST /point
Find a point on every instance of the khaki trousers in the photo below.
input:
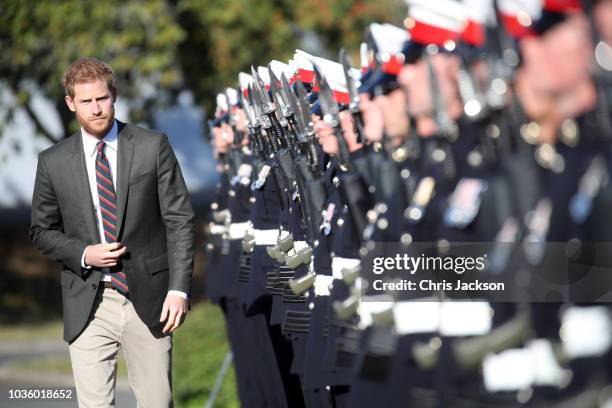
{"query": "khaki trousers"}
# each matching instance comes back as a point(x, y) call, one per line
point(114, 324)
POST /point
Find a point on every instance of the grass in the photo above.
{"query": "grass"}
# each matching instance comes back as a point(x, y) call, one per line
point(25, 332)
point(57, 365)
point(200, 346)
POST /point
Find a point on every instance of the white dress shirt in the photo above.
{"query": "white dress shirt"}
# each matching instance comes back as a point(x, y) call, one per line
point(90, 149)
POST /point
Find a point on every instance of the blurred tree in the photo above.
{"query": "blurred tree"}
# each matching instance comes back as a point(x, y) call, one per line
point(39, 39)
point(226, 37)
point(160, 47)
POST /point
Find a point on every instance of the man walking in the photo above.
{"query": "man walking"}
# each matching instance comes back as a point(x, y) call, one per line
point(110, 204)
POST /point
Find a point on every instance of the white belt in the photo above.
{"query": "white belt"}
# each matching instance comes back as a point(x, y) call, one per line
point(446, 318)
point(416, 317)
point(370, 305)
point(577, 322)
point(216, 229)
point(266, 237)
point(465, 318)
point(339, 263)
point(517, 369)
point(238, 230)
point(322, 284)
point(298, 245)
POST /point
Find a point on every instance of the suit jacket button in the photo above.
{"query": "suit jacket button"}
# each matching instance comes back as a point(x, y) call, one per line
point(94, 286)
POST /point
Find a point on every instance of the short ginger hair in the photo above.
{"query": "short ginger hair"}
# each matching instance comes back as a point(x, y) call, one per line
point(87, 70)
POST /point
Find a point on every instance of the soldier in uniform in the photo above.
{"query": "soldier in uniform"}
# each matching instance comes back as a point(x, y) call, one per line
point(448, 140)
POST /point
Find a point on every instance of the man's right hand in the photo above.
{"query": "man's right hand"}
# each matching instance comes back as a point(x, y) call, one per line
point(104, 255)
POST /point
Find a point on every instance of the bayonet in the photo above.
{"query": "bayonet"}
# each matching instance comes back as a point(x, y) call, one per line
point(297, 126)
point(238, 134)
point(329, 107)
point(353, 96)
point(256, 113)
point(303, 112)
point(292, 111)
point(306, 136)
point(285, 93)
point(269, 120)
point(253, 129)
point(246, 106)
point(279, 104)
point(266, 123)
point(371, 50)
point(473, 100)
point(261, 121)
point(259, 106)
point(447, 127)
point(331, 116)
point(264, 108)
point(262, 94)
point(350, 83)
point(230, 111)
point(283, 111)
point(363, 55)
point(295, 109)
point(502, 61)
point(302, 98)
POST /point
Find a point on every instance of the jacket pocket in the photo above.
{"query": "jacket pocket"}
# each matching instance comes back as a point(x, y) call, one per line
point(157, 264)
point(67, 279)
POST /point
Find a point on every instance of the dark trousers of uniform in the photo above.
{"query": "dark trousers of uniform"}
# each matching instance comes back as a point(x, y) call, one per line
point(283, 349)
point(259, 304)
point(259, 382)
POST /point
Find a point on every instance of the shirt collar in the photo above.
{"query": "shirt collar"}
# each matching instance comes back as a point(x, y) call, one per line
point(90, 142)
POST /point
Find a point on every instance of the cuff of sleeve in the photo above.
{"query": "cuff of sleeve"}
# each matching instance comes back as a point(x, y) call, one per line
point(83, 260)
point(178, 293)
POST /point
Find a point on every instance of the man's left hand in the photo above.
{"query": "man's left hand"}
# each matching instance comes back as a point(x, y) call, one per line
point(173, 313)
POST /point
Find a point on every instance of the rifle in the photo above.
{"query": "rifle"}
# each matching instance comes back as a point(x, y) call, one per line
point(353, 96)
point(254, 137)
point(267, 113)
point(284, 113)
point(330, 110)
point(308, 133)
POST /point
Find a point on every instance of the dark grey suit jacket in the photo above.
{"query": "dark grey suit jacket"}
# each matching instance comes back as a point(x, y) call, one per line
point(156, 223)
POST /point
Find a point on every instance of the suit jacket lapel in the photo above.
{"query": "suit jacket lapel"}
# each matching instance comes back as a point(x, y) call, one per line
point(81, 186)
point(125, 155)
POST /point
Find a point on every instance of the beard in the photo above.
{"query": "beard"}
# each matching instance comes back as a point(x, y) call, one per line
point(97, 126)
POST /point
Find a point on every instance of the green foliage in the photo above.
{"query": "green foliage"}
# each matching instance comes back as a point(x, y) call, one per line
point(342, 22)
point(159, 47)
point(39, 39)
point(226, 37)
point(200, 346)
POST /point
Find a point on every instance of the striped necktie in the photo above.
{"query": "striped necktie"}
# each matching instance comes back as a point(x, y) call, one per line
point(108, 211)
